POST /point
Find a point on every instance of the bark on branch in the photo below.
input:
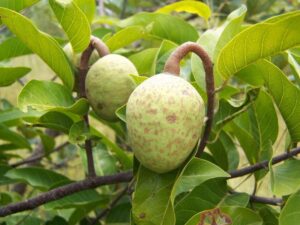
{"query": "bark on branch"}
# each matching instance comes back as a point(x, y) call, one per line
point(63, 191)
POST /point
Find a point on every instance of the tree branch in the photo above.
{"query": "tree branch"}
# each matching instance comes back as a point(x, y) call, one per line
point(94, 182)
point(173, 66)
point(264, 200)
point(63, 191)
point(264, 164)
point(83, 69)
point(38, 157)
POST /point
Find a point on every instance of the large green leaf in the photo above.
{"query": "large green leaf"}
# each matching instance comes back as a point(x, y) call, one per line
point(285, 178)
point(290, 214)
point(46, 95)
point(195, 7)
point(40, 43)
point(13, 137)
point(238, 216)
point(12, 47)
point(160, 190)
point(88, 7)
point(74, 23)
point(285, 94)
point(8, 75)
point(36, 177)
point(125, 37)
point(163, 26)
point(259, 41)
point(125, 158)
point(257, 129)
point(206, 196)
point(225, 152)
point(80, 199)
point(213, 41)
point(17, 5)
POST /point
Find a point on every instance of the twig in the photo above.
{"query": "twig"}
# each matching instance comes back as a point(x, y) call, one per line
point(94, 182)
point(264, 200)
point(38, 157)
point(264, 164)
point(83, 69)
point(173, 66)
point(63, 191)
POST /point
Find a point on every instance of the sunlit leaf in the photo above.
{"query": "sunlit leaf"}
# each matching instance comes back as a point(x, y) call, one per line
point(40, 43)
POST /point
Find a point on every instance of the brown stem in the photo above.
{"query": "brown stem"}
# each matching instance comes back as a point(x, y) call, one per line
point(264, 164)
point(103, 50)
point(100, 46)
point(38, 156)
point(94, 182)
point(173, 66)
point(264, 200)
point(63, 191)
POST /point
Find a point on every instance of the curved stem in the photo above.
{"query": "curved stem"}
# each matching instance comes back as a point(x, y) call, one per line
point(102, 50)
point(100, 46)
point(173, 66)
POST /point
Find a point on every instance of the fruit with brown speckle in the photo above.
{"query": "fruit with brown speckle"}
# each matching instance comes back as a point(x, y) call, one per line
point(164, 115)
point(108, 84)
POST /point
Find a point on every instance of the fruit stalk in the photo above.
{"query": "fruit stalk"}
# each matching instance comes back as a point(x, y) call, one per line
point(102, 50)
point(172, 66)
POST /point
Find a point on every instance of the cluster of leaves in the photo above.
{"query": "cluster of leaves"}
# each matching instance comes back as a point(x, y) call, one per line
point(257, 74)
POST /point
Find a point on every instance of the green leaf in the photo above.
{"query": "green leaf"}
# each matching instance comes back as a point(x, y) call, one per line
point(145, 61)
point(74, 23)
point(125, 159)
point(257, 129)
point(206, 196)
point(12, 47)
point(88, 7)
point(79, 199)
point(259, 41)
point(285, 178)
point(285, 95)
point(295, 67)
point(46, 96)
point(8, 75)
point(13, 137)
point(163, 26)
point(236, 199)
point(243, 216)
point(230, 28)
point(194, 7)
point(225, 152)
point(290, 214)
point(138, 79)
point(125, 37)
point(40, 43)
point(160, 190)
point(36, 177)
point(121, 112)
point(17, 5)
point(55, 120)
point(213, 41)
point(3, 178)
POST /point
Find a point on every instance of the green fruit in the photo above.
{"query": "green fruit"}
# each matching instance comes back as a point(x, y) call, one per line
point(164, 115)
point(75, 58)
point(108, 85)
